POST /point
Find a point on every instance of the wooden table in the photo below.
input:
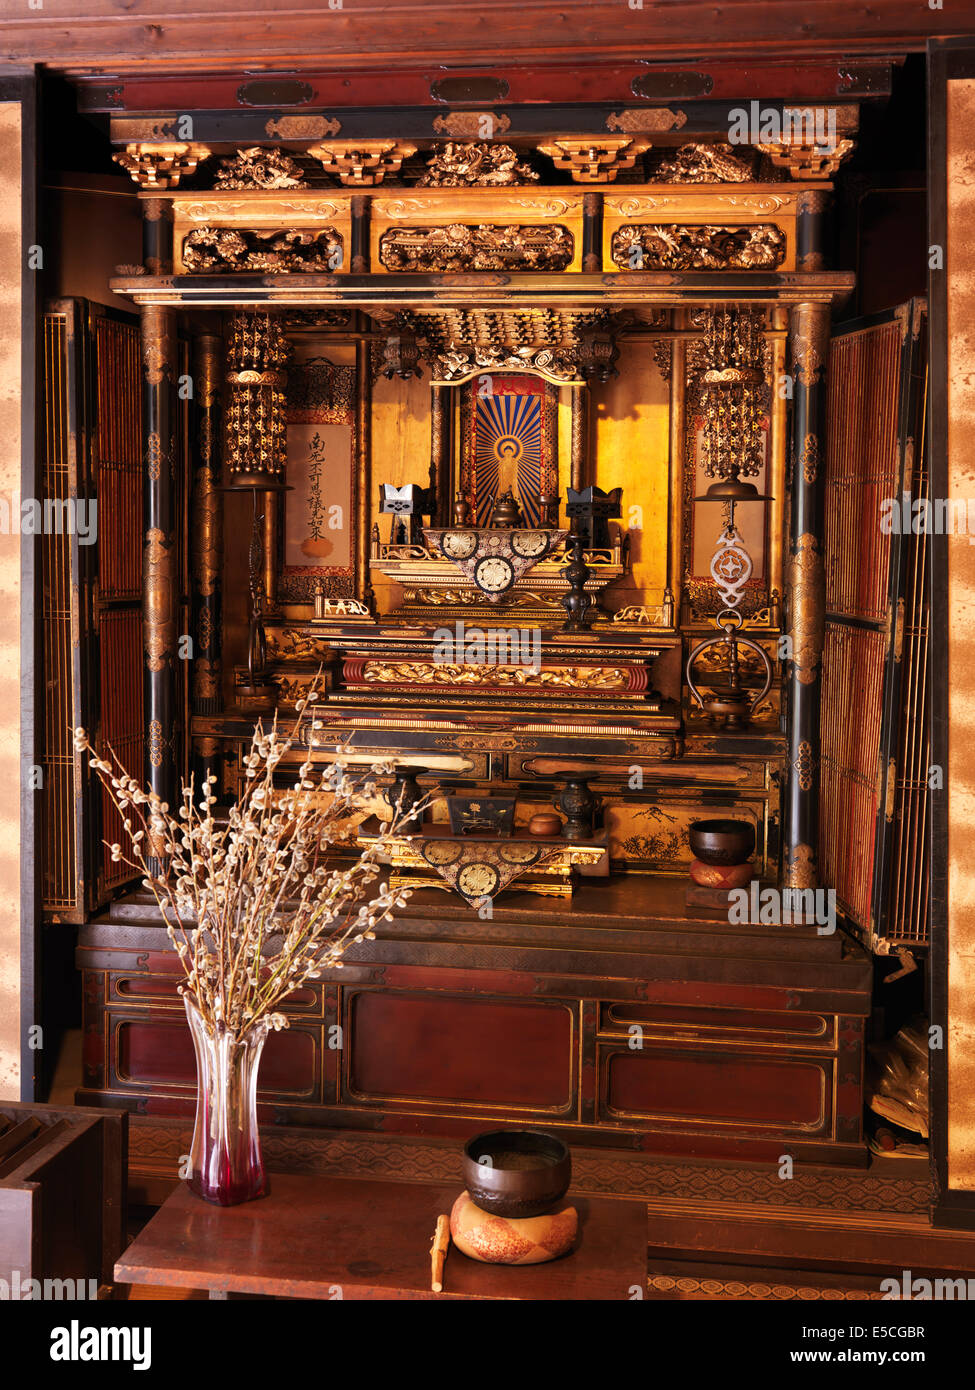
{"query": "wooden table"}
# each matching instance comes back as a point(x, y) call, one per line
point(318, 1237)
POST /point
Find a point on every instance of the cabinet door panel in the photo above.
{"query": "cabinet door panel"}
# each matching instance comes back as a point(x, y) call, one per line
point(451, 1050)
point(718, 1091)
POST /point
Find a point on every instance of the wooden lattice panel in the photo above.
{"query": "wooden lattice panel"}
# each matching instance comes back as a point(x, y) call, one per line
point(862, 468)
point(874, 803)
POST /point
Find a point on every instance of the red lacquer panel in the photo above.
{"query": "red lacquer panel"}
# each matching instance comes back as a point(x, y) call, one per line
point(706, 1089)
point(463, 1050)
point(162, 1053)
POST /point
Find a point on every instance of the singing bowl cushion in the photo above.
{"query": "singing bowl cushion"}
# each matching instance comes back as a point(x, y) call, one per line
point(502, 1240)
point(721, 875)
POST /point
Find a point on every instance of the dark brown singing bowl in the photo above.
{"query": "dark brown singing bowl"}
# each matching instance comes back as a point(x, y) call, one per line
point(722, 841)
point(516, 1172)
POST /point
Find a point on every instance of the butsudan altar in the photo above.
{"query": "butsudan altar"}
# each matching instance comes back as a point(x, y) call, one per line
point(524, 450)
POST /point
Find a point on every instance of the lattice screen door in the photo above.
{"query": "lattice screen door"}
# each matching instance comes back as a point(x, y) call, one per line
point(875, 745)
point(92, 591)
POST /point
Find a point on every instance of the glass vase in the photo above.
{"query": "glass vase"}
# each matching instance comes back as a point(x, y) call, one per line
point(225, 1158)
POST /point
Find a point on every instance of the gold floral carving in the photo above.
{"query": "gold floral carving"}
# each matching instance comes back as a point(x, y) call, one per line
point(800, 868)
point(158, 349)
point(467, 125)
point(454, 674)
point(803, 766)
point(645, 120)
point(673, 247)
point(204, 629)
point(809, 458)
point(206, 679)
point(162, 165)
point(807, 586)
point(156, 743)
point(592, 160)
point(206, 541)
point(458, 365)
point(473, 598)
point(362, 163)
point(484, 247)
point(296, 646)
point(809, 337)
point(261, 251)
point(475, 165)
point(291, 689)
point(717, 163)
point(302, 127)
point(159, 628)
point(154, 457)
point(259, 167)
point(478, 743)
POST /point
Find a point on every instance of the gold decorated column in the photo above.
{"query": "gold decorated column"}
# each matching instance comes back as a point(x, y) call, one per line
point(806, 593)
point(579, 456)
point(675, 501)
point(159, 564)
point(363, 436)
point(207, 526)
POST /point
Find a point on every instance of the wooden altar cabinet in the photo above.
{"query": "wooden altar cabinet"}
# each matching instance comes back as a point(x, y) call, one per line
point(591, 292)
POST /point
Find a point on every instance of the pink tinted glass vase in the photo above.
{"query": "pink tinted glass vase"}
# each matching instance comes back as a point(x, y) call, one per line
point(225, 1158)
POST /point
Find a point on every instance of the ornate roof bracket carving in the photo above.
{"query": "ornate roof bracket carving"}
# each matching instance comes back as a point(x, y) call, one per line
point(361, 163)
point(163, 165)
point(595, 159)
point(808, 161)
point(813, 141)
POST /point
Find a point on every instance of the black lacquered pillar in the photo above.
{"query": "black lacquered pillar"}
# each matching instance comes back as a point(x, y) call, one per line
point(157, 236)
point(806, 593)
point(360, 234)
point(592, 233)
point(159, 558)
point(440, 402)
point(812, 207)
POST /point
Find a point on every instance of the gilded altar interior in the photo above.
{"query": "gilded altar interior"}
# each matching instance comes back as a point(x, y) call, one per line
point(458, 322)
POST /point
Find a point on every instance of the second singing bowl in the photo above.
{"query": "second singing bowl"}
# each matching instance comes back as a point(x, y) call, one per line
point(722, 841)
point(516, 1172)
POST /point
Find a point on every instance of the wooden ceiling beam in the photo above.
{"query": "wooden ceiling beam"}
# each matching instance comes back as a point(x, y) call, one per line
point(98, 35)
point(513, 83)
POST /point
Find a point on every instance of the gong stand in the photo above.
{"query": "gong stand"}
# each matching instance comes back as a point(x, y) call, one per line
point(731, 568)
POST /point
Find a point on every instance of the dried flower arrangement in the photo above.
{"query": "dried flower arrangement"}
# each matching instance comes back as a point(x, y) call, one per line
point(254, 905)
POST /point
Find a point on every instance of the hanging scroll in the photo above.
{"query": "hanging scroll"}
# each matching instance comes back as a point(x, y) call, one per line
point(317, 544)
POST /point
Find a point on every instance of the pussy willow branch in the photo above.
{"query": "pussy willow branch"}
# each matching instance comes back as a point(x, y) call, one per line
point(262, 873)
